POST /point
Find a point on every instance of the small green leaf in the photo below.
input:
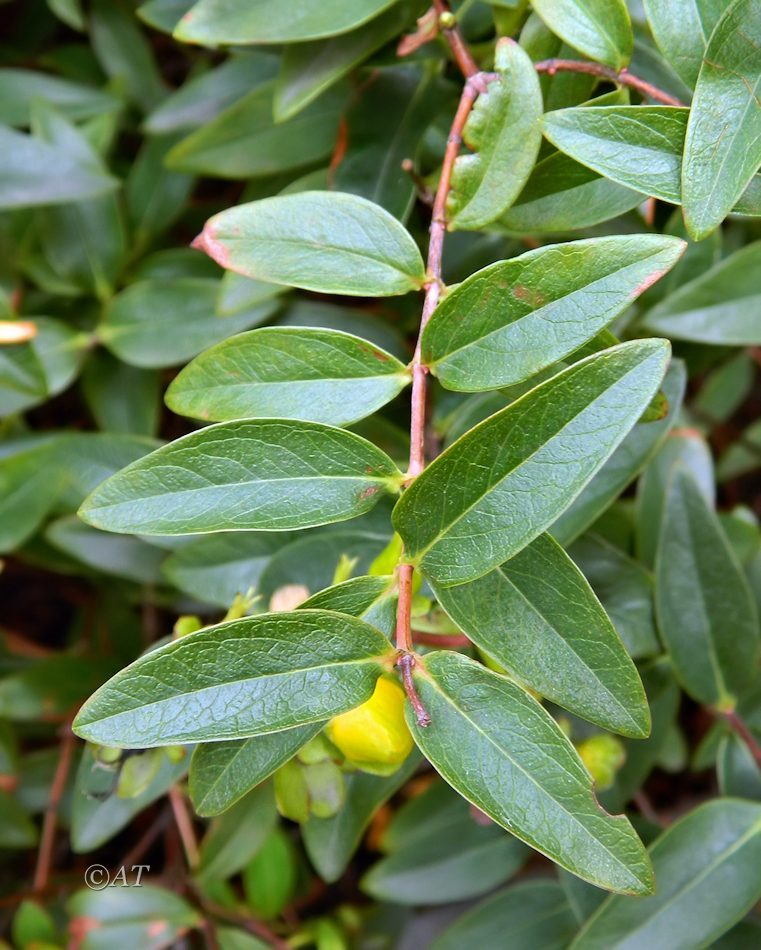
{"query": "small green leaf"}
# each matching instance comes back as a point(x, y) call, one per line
point(704, 607)
point(250, 677)
point(637, 146)
point(527, 916)
point(269, 21)
point(718, 307)
point(503, 133)
point(288, 373)
point(706, 866)
point(223, 772)
point(527, 313)
point(722, 150)
point(235, 838)
point(538, 617)
point(324, 241)
point(601, 29)
point(681, 29)
point(20, 88)
point(147, 917)
point(503, 483)
point(247, 475)
point(562, 195)
point(502, 751)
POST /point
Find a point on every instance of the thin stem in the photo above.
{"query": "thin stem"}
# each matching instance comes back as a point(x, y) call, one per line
point(622, 77)
point(476, 83)
point(449, 26)
point(738, 725)
point(184, 827)
point(47, 839)
point(444, 640)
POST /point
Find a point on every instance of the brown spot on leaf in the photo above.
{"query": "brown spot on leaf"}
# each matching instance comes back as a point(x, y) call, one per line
point(534, 298)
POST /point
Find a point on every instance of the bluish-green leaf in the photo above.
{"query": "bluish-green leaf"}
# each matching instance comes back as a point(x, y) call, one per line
point(722, 150)
point(704, 607)
point(502, 750)
point(498, 487)
point(681, 29)
point(706, 866)
point(601, 29)
point(252, 474)
point(249, 677)
point(288, 373)
point(527, 313)
point(323, 241)
point(537, 616)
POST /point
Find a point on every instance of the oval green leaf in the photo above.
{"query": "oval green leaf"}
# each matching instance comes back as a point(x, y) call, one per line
point(538, 617)
point(722, 150)
point(601, 29)
point(288, 373)
point(504, 482)
point(512, 319)
point(500, 749)
point(248, 475)
point(324, 241)
point(250, 677)
point(503, 132)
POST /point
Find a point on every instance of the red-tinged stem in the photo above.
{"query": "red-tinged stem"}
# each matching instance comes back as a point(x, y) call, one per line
point(623, 77)
point(738, 725)
point(449, 26)
point(184, 827)
point(445, 640)
point(57, 788)
point(476, 83)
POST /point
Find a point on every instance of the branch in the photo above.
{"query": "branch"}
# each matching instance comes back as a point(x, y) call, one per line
point(738, 725)
point(451, 30)
point(444, 640)
point(184, 825)
point(623, 78)
point(57, 788)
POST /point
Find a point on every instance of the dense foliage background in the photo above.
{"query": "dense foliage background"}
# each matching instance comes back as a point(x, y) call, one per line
point(118, 141)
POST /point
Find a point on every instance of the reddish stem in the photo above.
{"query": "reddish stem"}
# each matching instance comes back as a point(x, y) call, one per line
point(738, 725)
point(405, 663)
point(467, 65)
point(622, 77)
point(444, 640)
point(184, 827)
point(57, 788)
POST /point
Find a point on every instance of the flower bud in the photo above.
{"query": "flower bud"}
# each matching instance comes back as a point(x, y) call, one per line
point(374, 736)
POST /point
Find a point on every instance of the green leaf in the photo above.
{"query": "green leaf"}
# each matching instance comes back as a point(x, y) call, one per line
point(527, 313)
point(681, 29)
point(252, 474)
point(637, 146)
point(467, 861)
point(22, 376)
point(125, 557)
point(538, 617)
point(200, 99)
point(625, 590)
point(122, 398)
point(601, 29)
point(245, 678)
point(502, 751)
point(147, 917)
point(331, 842)
point(269, 21)
point(527, 916)
point(235, 838)
point(498, 487)
point(706, 866)
point(308, 69)
point(244, 141)
point(503, 133)
point(164, 14)
point(704, 607)
point(372, 598)
point(562, 195)
point(323, 241)
point(20, 88)
point(35, 173)
point(155, 323)
point(270, 880)
point(288, 373)
point(223, 772)
point(719, 307)
point(625, 463)
point(737, 771)
point(722, 150)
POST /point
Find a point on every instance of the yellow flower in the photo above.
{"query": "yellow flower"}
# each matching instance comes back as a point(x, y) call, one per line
point(374, 736)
